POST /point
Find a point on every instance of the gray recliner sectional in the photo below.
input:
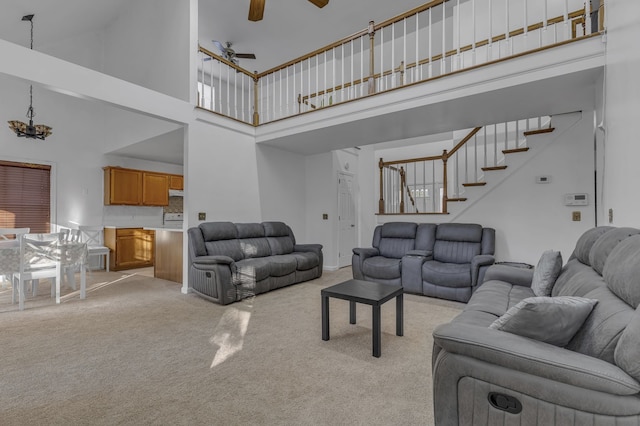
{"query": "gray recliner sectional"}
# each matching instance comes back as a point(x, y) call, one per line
point(446, 260)
point(485, 376)
point(230, 261)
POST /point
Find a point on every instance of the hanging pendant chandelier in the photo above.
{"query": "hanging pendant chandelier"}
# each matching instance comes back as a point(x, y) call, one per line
point(30, 130)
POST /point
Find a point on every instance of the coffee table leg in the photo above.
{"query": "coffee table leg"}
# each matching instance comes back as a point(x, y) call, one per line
point(399, 315)
point(377, 332)
point(325, 317)
point(352, 312)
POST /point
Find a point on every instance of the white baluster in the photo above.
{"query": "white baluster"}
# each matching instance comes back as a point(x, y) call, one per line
point(484, 131)
point(212, 100)
point(430, 66)
point(404, 53)
point(567, 26)
point(417, 69)
point(459, 43)
point(361, 65)
point(473, 32)
point(444, 37)
point(201, 101)
point(495, 144)
point(381, 87)
point(220, 86)
point(393, 55)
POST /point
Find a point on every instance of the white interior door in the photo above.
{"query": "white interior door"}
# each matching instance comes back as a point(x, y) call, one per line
point(346, 219)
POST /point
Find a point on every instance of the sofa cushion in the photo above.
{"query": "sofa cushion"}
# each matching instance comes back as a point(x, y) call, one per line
point(254, 247)
point(600, 333)
point(253, 270)
point(497, 297)
point(381, 267)
point(306, 260)
point(447, 274)
point(622, 271)
point(605, 244)
point(280, 245)
point(229, 248)
point(628, 348)
point(425, 236)
point(398, 230)
point(553, 320)
point(395, 247)
point(459, 232)
point(282, 265)
point(546, 272)
point(577, 279)
point(213, 231)
point(586, 242)
point(250, 230)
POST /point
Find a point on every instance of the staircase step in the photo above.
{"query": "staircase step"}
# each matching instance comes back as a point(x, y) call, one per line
point(513, 151)
point(454, 200)
point(489, 169)
point(539, 131)
point(474, 184)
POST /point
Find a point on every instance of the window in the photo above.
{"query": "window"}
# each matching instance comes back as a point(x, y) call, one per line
point(25, 196)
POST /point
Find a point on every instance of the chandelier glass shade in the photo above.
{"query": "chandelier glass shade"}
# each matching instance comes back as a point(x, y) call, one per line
point(30, 130)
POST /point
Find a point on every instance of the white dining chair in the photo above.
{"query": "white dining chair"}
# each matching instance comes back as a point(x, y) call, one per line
point(10, 252)
point(37, 261)
point(93, 236)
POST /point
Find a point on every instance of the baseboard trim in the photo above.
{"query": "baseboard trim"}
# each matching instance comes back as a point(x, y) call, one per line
point(330, 268)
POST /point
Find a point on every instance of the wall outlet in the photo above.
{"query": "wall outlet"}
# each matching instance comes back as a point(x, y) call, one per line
point(576, 217)
point(202, 216)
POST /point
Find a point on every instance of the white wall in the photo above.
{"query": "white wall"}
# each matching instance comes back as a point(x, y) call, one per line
point(221, 176)
point(281, 181)
point(622, 103)
point(149, 45)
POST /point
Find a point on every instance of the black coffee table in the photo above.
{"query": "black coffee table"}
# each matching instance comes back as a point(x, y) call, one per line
point(369, 293)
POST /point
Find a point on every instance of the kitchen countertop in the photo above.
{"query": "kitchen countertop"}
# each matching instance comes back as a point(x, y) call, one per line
point(162, 228)
point(149, 228)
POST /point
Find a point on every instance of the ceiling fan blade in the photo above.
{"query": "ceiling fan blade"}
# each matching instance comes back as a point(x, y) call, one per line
point(256, 10)
point(245, 55)
point(320, 3)
point(220, 46)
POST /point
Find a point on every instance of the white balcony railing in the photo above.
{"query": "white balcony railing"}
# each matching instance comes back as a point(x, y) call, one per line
point(436, 39)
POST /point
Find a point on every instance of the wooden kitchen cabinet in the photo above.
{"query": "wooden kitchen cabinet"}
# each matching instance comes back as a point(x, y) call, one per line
point(155, 189)
point(176, 182)
point(132, 187)
point(122, 186)
point(130, 247)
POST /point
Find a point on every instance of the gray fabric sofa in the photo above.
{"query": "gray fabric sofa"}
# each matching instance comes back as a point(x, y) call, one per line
point(230, 261)
point(479, 372)
point(446, 260)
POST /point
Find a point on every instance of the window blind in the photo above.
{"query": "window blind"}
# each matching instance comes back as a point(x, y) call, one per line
point(25, 196)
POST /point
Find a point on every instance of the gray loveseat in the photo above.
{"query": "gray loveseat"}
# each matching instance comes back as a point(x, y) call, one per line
point(230, 261)
point(480, 374)
point(446, 260)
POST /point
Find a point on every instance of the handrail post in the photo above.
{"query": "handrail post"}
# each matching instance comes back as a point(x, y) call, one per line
point(402, 184)
point(372, 81)
point(256, 116)
point(381, 201)
point(445, 184)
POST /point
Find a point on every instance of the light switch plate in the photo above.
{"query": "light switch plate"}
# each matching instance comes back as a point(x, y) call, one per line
point(202, 216)
point(576, 217)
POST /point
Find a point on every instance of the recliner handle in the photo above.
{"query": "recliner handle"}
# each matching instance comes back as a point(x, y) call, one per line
point(504, 402)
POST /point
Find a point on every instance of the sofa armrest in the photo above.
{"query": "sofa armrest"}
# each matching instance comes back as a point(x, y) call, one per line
point(213, 260)
point(427, 254)
point(315, 248)
point(535, 358)
point(509, 274)
point(366, 252)
point(479, 265)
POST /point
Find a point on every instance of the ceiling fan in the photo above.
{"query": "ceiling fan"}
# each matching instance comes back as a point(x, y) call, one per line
point(230, 55)
point(256, 8)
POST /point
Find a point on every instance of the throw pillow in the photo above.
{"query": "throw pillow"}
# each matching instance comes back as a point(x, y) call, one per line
point(553, 320)
point(546, 273)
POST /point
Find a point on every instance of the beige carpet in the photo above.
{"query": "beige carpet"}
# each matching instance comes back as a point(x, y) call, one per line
point(139, 352)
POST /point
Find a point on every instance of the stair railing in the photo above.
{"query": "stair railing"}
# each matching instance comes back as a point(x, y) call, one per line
point(430, 183)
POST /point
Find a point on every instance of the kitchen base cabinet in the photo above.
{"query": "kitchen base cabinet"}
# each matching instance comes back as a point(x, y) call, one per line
point(131, 247)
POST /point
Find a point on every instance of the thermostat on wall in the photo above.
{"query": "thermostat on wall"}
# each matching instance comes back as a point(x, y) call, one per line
point(576, 199)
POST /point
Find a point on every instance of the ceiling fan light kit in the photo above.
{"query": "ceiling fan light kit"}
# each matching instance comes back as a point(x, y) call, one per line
point(24, 130)
point(256, 8)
